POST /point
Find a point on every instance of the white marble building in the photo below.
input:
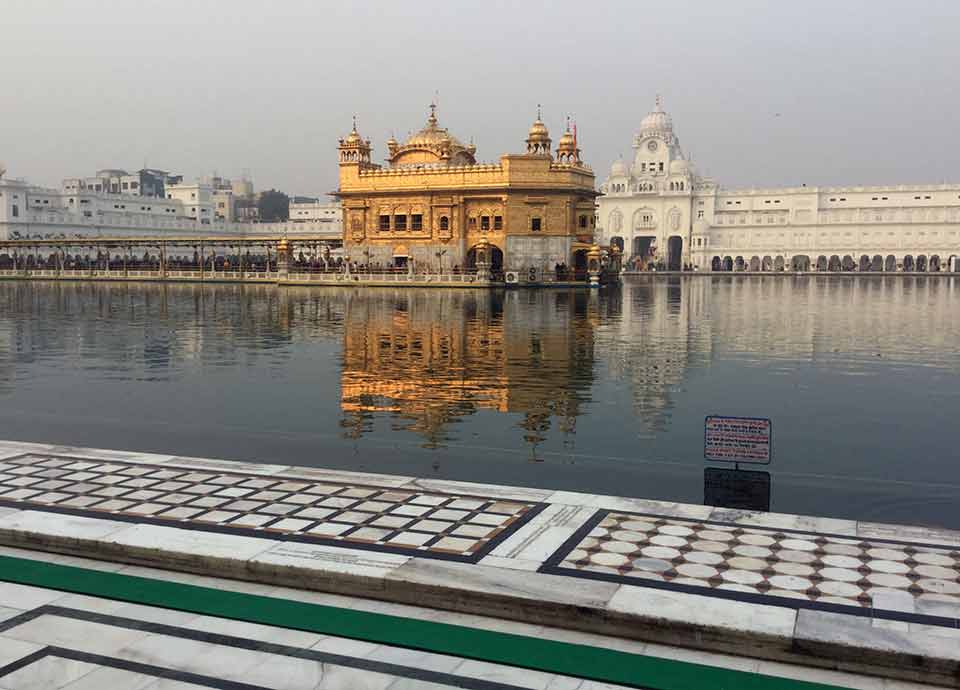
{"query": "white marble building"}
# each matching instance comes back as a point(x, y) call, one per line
point(79, 208)
point(665, 215)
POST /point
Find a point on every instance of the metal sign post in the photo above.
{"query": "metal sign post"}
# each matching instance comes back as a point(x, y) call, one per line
point(737, 440)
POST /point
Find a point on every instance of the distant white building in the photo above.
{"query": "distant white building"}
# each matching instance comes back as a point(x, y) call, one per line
point(316, 211)
point(663, 213)
point(116, 203)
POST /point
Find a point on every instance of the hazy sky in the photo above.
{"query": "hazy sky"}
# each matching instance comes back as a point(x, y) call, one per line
point(762, 93)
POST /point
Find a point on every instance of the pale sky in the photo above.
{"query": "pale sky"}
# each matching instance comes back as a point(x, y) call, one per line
point(762, 93)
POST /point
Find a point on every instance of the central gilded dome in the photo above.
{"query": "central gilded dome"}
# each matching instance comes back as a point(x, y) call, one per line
point(432, 145)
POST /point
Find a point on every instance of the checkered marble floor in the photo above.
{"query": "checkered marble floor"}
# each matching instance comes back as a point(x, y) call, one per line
point(716, 558)
point(430, 524)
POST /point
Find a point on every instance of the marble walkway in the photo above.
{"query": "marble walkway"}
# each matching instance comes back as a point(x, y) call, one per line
point(841, 594)
point(50, 639)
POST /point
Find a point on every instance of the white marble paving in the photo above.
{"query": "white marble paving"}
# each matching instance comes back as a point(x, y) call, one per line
point(773, 623)
point(26, 522)
point(45, 674)
point(284, 676)
point(505, 583)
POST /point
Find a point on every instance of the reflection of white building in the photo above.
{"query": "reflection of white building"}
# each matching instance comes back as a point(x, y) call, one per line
point(660, 330)
point(666, 214)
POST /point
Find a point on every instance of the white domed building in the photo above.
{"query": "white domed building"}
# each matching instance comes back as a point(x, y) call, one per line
point(664, 215)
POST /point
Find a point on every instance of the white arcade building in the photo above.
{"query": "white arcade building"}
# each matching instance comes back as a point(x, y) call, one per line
point(665, 216)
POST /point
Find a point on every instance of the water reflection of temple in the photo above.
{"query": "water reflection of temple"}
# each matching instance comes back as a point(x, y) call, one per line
point(429, 359)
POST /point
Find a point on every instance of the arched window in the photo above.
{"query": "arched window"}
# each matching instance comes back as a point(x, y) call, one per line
point(444, 223)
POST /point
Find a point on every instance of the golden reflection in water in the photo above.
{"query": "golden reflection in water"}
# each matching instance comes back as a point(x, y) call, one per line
point(432, 358)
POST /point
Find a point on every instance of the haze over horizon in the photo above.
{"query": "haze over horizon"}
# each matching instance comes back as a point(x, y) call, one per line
point(762, 94)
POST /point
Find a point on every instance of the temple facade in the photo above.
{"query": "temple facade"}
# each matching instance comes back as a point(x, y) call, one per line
point(433, 207)
point(665, 215)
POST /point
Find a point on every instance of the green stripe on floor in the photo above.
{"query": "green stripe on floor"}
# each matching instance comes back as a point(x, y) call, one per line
point(582, 661)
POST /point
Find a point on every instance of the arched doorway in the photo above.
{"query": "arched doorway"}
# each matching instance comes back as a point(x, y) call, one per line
point(766, 264)
point(890, 264)
point(740, 264)
point(496, 259)
point(727, 263)
point(934, 266)
point(643, 249)
point(922, 263)
point(953, 264)
point(821, 263)
point(877, 264)
point(908, 264)
point(617, 242)
point(834, 263)
point(864, 263)
point(716, 264)
point(779, 263)
point(801, 262)
point(675, 253)
point(755, 263)
point(400, 257)
point(847, 263)
point(580, 264)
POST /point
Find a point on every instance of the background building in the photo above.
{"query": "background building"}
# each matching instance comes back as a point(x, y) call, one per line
point(115, 203)
point(662, 213)
point(310, 210)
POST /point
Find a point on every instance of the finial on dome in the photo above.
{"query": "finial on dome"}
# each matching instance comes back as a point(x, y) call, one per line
point(659, 102)
point(354, 124)
point(433, 114)
point(539, 116)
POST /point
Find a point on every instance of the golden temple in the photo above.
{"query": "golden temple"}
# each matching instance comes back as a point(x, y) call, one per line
point(433, 205)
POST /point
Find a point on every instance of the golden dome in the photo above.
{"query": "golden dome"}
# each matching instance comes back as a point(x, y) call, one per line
point(566, 142)
point(433, 144)
point(354, 138)
point(538, 138)
point(538, 129)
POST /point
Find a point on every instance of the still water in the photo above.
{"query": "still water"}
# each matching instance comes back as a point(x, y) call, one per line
point(600, 392)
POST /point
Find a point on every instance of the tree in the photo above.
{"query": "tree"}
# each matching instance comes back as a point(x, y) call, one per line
point(273, 206)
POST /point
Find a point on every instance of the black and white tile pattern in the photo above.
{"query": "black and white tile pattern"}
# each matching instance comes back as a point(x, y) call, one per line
point(421, 523)
point(910, 581)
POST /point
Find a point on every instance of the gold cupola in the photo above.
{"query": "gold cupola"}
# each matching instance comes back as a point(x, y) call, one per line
point(354, 149)
point(567, 151)
point(538, 138)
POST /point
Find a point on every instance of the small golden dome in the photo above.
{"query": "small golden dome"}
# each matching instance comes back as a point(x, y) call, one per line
point(354, 137)
point(538, 138)
point(538, 129)
point(567, 142)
